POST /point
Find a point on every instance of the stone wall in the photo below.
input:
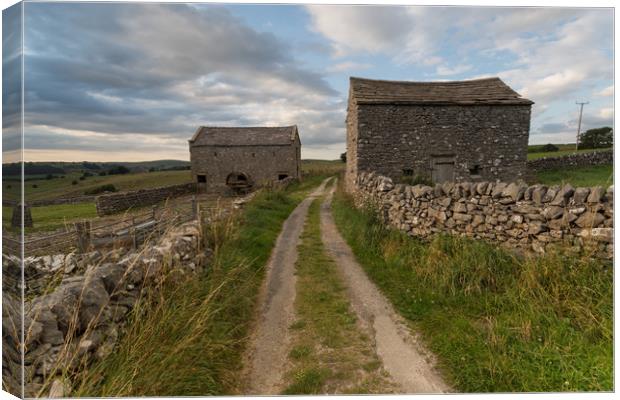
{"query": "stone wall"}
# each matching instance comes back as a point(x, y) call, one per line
point(572, 160)
point(529, 218)
point(76, 304)
point(52, 202)
point(116, 202)
point(261, 164)
point(484, 142)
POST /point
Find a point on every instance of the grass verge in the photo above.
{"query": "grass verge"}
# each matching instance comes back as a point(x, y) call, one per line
point(496, 323)
point(565, 150)
point(596, 175)
point(330, 353)
point(188, 339)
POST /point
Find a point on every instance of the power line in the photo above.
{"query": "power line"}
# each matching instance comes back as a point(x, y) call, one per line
point(581, 104)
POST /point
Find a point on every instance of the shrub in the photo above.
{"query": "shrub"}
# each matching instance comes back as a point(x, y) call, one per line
point(101, 189)
point(87, 174)
point(49, 176)
point(8, 186)
point(118, 170)
point(74, 182)
point(82, 178)
point(103, 173)
point(35, 186)
point(549, 147)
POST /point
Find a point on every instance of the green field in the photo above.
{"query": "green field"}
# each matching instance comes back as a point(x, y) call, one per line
point(63, 187)
point(49, 218)
point(496, 322)
point(596, 175)
point(322, 167)
point(564, 151)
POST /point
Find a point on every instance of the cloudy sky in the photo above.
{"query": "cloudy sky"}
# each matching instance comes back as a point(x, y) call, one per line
point(125, 82)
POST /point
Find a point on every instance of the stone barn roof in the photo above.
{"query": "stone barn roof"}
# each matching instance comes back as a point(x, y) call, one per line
point(244, 136)
point(471, 92)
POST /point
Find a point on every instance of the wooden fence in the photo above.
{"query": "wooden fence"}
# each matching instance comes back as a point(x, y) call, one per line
point(85, 236)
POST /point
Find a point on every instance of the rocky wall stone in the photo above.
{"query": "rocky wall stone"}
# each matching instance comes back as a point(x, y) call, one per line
point(528, 218)
point(76, 305)
point(572, 160)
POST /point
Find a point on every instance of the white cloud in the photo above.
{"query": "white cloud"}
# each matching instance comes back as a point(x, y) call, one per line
point(360, 28)
point(444, 70)
point(349, 66)
point(608, 91)
point(606, 113)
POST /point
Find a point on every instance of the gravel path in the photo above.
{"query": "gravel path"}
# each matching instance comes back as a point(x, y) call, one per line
point(267, 355)
point(402, 355)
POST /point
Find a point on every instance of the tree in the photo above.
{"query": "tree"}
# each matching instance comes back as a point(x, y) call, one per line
point(549, 147)
point(118, 170)
point(597, 138)
point(343, 157)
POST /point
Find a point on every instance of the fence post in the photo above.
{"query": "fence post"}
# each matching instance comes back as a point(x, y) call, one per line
point(132, 232)
point(82, 229)
point(194, 207)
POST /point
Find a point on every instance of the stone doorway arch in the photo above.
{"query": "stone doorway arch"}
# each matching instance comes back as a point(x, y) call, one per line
point(239, 182)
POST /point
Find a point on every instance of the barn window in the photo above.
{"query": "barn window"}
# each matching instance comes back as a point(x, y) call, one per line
point(282, 176)
point(201, 178)
point(475, 170)
point(215, 154)
point(407, 172)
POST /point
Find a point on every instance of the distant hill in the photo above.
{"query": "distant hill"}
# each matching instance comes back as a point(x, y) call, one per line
point(60, 167)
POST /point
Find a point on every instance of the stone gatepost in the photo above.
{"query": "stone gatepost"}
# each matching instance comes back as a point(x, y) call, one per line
point(16, 219)
point(82, 230)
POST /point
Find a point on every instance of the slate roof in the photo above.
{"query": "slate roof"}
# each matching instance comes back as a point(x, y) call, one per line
point(244, 136)
point(471, 92)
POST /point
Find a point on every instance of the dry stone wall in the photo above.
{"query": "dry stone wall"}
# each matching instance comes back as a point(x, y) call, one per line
point(572, 160)
point(116, 202)
point(529, 218)
point(76, 305)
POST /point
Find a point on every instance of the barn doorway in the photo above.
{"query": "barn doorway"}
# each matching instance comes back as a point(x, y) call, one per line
point(282, 176)
point(201, 183)
point(239, 182)
point(442, 169)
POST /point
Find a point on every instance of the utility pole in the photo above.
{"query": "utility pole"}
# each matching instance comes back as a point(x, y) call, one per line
point(581, 104)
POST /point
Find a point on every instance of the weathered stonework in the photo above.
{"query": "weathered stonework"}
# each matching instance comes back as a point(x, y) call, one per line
point(478, 134)
point(221, 156)
point(116, 202)
point(76, 304)
point(600, 157)
point(528, 218)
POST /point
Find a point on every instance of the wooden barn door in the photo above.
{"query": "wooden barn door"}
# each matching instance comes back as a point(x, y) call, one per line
point(442, 169)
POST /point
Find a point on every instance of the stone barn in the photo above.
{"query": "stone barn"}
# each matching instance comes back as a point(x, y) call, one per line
point(237, 159)
point(438, 131)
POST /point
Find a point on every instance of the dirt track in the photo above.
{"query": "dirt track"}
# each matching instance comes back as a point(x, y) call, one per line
point(408, 364)
point(403, 357)
point(267, 356)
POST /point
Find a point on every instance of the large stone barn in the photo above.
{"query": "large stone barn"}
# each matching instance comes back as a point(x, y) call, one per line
point(437, 131)
point(237, 159)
